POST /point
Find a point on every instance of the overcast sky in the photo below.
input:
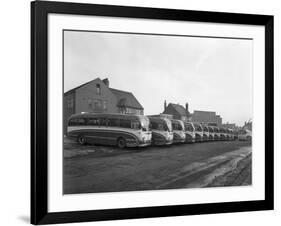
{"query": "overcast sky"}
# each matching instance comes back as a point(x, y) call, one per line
point(211, 74)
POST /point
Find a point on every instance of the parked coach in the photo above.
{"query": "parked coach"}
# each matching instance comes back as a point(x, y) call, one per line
point(227, 134)
point(205, 133)
point(245, 135)
point(216, 133)
point(211, 133)
point(223, 135)
point(178, 131)
point(198, 132)
point(189, 132)
point(230, 134)
point(162, 133)
point(110, 129)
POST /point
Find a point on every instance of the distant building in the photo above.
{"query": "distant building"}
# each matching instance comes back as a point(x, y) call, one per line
point(97, 97)
point(230, 126)
point(208, 117)
point(161, 115)
point(177, 111)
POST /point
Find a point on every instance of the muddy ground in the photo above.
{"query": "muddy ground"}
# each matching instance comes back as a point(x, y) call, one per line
point(108, 169)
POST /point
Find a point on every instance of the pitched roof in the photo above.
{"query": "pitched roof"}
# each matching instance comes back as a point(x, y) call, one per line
point(77, 87)
point(126, 99)
point(179, 108)
point(207, 112)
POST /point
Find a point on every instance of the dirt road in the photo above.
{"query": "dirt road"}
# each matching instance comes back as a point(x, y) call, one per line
point(106, 169)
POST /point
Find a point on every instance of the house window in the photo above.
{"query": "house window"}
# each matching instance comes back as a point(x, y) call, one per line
point(95, 104)
point(98, 89)
point(70, 104)
point(98, 104)
point(90, 104)
point(122, 110)
point(183, 118)
point(104, 105)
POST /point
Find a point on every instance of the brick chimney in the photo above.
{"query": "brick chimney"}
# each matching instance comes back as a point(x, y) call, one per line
point(186, 109)
point(106, 82)
point(165, 105)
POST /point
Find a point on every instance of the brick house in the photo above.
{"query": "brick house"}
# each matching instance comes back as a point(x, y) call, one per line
point(207, 117)
point(177, 111)
point(97, 97)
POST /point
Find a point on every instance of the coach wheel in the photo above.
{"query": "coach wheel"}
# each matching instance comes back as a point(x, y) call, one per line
point(81, 140)
point(121, 143)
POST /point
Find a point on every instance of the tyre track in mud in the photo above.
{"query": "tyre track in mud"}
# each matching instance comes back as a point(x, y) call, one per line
point(211, 172)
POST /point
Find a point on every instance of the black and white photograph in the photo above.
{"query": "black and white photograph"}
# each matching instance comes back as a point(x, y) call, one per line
point(148, 112)
point(145, 111)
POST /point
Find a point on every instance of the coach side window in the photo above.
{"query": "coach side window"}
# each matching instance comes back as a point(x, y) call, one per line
point(93, 121)
point(104, 122)
point(76, 122)
point(72, 122)
point(114, 122)
point(125, 123)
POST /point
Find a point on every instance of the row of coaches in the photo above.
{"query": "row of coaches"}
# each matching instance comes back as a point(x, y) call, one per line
point(138, 130)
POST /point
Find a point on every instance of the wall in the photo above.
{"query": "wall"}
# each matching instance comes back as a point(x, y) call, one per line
point(89, 91)
point(206, 117)
point(171, 111)
point(68, 109)
point(15, 113)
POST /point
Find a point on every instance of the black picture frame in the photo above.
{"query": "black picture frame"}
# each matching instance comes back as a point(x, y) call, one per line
point(39, 112)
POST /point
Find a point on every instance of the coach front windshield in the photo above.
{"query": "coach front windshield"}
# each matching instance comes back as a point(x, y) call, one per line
point(189, 127)
point(177, 125)
point(198, 128)
point(169, 125)
point(144, 123)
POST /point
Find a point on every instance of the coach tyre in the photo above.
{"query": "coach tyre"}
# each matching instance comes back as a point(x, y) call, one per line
point(121, 143)
point(81, 139)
